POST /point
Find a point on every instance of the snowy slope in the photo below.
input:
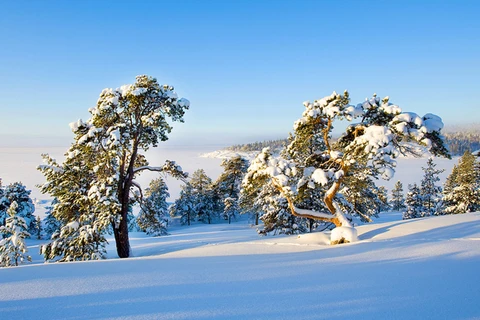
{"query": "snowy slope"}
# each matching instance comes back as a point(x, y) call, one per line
point(415, 269)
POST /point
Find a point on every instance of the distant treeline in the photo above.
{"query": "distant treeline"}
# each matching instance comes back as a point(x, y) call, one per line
point(458, 142)
point(275, 146)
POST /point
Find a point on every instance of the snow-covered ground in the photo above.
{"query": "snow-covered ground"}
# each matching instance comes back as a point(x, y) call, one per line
point(415, 269)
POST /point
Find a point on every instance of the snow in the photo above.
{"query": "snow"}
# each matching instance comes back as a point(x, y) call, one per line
point(398, 270)
point(347, 233)
point(320, 176)
point(401, 269)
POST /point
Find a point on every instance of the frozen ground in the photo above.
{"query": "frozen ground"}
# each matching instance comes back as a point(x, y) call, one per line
point(415, 269)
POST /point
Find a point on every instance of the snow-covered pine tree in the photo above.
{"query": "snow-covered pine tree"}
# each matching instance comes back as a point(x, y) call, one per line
point(362, 194)
point(431, 193)
point(252, 196)
point(462, 188)
point(231, 209)
point(268, 204)
point(184, 206)
point(76, 241)
point(107, 156)
point(414, 202)
point(205, 199)
point(75, 207)
point(132, 222)
point(12, 248)
point(382, 195)
point(38, 227)
point(17, 192)
point(153, 216)
point(228, 185)
point(397, 201)
point(51, 223)
point(382, 133)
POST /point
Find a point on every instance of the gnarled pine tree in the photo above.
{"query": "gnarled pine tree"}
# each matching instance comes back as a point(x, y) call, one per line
point(382, 132)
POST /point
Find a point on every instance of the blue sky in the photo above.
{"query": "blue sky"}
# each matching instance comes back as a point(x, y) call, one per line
point(246, 66)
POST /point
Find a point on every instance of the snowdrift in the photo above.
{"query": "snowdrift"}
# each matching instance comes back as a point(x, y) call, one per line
point(413, 269)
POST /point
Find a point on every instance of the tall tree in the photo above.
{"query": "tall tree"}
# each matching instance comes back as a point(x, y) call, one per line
point(398, 200)
point(12, 248)
point(153, 216)
point(381, 134)
point(430, 192)
point(102, 163)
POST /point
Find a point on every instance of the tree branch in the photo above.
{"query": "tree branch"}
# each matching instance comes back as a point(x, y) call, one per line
point(158, 169)
point(304, 213)
point(134, 183)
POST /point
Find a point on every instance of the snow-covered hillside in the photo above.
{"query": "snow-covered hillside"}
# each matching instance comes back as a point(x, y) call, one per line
point(414, 269)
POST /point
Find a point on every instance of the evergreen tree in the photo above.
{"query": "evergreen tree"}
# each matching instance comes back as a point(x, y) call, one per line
point(462, 188)
point(231, 209)
point(81, 218)
point(38, 227)
point(430, 192)
point(382, 195)
point(153, 216)
point(51, 223)
point(228, 185)
point(414, 202)
point(17, 192)
point(184, 206)
point(277, 217)
point(205, 200)
point(12, 248)
point(106, 156)
point(448, 187)
point(75, 241)
point(362, 194)
point(268, 204)
point(398, 201)
point(369, 146)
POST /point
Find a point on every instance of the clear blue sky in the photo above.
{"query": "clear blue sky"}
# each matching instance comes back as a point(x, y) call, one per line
point(246, 66)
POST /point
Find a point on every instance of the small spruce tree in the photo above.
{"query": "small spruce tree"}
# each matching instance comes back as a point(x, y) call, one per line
point(39, 228)
point(382, 195)
point(184, 206)
point(414, 202)
point(51, 223)
point(398, 201)
point(17, 192)
point(153, 216)
point(431, 193)
point(231, 209)
point(12, 248)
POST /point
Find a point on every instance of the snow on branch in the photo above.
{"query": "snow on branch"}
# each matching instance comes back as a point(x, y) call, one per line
point(169, 167)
